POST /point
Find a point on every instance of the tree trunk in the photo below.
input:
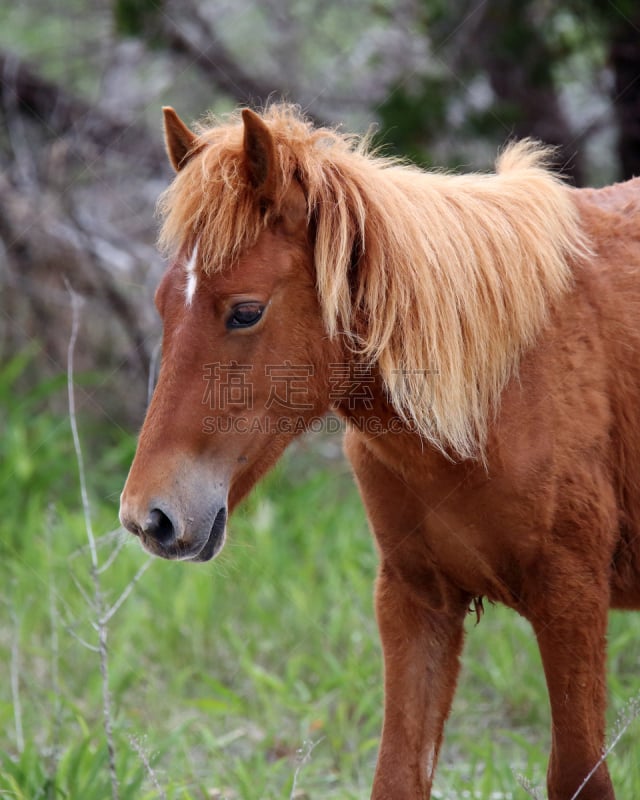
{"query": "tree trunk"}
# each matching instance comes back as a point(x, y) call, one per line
point(625, 62)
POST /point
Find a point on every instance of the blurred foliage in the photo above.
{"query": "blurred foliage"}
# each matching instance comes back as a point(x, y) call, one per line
point(81, 157)
point(455, 98)
point(37, 467)
point(138, 18)
point(506, 68)
point(31, 451)
point(410, 119)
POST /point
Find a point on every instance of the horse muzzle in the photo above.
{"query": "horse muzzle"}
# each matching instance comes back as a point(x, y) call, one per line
point(185, 523)
point(161, 534)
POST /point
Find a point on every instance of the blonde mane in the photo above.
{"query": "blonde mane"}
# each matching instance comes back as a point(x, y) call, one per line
point(440, 280)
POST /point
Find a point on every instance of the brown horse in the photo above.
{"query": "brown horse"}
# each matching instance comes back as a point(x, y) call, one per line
point(481, 336)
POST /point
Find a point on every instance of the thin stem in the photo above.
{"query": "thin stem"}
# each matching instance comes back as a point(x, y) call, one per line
point(54, 621)
point(82, 641)
point(113, 555)
point(142, 755)
point(125, 593)
point(76, 302)
point(95, 575)
point(15, 681)
point(303, 757)
point(628, 715)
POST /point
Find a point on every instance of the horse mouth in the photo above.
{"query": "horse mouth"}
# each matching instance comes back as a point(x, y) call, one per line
point(215, 540)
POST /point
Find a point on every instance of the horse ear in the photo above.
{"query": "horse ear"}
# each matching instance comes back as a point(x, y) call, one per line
point(179, 140)
point(260, 155)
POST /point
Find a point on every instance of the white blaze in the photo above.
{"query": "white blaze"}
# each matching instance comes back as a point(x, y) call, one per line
point(192, 276)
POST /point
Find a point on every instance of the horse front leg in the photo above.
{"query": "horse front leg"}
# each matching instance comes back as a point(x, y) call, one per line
point(570, 622)
point(421, 649)
point(421, 619)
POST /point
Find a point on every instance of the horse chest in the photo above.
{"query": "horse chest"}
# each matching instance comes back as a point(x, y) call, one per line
point(483, 551)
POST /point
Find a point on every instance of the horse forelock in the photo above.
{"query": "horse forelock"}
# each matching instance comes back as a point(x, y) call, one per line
point(454, 274)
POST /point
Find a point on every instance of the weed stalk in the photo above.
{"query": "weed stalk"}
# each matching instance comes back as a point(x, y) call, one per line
point(101, 624)
point(15, 681)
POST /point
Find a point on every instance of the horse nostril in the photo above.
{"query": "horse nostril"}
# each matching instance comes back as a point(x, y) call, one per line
point(159, 526)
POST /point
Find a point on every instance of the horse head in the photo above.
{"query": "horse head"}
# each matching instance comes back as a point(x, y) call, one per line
point(243, 351)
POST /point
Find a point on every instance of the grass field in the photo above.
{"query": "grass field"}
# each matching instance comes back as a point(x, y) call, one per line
point(256, 676)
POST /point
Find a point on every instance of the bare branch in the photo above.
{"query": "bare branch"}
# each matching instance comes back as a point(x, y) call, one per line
point(193, 37)
point(125, 593)
point(82, 641)
point(120, 544)
point(65, 114)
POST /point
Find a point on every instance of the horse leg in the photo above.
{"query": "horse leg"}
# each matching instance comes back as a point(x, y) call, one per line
point(421, 618)
point(570, 622)
point(421, 648)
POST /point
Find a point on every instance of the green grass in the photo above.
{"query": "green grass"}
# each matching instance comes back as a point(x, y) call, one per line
point(226, 675)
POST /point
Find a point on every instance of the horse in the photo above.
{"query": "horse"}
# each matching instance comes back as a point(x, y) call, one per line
point(479, 334)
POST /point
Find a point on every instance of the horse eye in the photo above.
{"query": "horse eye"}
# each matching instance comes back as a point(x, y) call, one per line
point(244, 315)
